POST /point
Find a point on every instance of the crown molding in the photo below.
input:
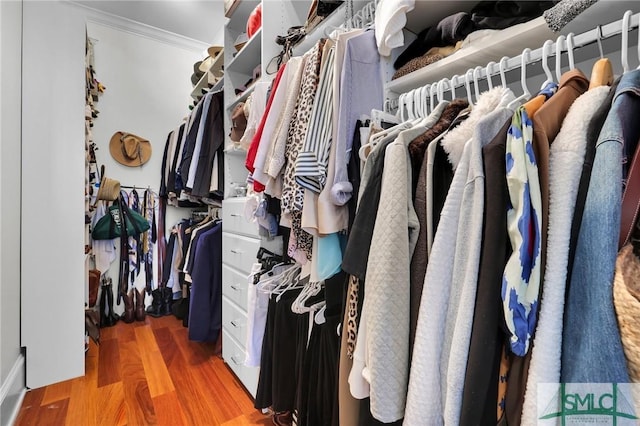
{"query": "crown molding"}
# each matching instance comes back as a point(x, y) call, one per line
point(137, 28)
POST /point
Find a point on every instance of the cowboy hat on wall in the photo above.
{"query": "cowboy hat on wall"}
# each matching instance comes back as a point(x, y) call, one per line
point(129, 150)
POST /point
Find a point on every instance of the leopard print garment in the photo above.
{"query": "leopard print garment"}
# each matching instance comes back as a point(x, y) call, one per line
point(352, 315)
point(292, 193)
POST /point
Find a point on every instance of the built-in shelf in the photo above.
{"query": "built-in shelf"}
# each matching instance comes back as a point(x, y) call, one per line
point(427, 13)
point(508, 42)
point(239, 12)
point(242, 96)
point(248, 57)
point(334, 20)
point(218, 86)
point(203, 83)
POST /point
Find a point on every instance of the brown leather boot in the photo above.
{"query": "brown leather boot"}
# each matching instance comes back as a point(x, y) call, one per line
point(128, 307)
point(140, 314)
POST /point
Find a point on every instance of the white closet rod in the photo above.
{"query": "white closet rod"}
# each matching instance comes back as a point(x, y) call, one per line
point(493, 69)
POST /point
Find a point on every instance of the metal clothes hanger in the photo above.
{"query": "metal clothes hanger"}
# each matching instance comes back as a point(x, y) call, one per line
point(602, 71)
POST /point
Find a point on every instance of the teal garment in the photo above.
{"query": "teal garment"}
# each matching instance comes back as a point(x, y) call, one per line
point(330, 249)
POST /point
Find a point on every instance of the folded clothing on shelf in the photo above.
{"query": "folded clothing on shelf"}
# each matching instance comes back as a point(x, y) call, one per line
point(494, 15)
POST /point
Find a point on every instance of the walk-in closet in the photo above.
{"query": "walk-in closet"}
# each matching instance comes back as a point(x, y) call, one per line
point(319, 212)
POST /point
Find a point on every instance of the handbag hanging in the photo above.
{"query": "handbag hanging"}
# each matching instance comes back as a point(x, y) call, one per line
point(108, 227)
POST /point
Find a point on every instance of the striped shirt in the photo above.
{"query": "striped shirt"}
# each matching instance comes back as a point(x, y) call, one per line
point(313, 160)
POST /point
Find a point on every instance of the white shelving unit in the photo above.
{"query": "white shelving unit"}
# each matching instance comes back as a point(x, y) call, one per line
point(215, 70)
point(508, 42)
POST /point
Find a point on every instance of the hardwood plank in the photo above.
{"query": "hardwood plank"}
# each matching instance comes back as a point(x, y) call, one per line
point(126, 332)
point(136, 390)
point(91, 365)
point(168, 410)
point(194, 352)
point(146, 339)
point(168, 321)
point(83, 401)
point(53, 414)
point(112, 409)
point(107, 333)
point(217, 392)
point(56, 392)
point(249, 420)
point(155, 370)
point(231, 383)
point(168, 347)
point(108, 363)
point(192, 399)
point(30, 407)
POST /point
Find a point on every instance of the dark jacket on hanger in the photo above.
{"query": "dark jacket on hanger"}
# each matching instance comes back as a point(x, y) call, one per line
point(480, 396)
point(171, 179)
point(205, 306)
point(162, 192)
point(212, 140)
point(182, 172)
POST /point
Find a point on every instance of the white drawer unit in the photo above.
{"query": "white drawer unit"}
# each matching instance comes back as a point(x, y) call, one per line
point(239, 251)
point(234, 286)
point(240, 245)
point(233, 354)
point(234, 320)
point(233, 218)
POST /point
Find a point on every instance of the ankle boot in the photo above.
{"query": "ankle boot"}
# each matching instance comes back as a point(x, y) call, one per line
point(140, 314)
point(167, 301)
point(156, 304)
point(128, 306)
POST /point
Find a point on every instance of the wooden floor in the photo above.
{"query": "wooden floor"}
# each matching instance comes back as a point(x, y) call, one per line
point(145, 373)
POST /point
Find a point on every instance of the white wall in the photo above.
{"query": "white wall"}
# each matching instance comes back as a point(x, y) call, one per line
point(11, 361)
point(148, 86)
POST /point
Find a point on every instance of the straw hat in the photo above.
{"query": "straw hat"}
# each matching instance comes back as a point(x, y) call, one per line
point(626, 299)
point(129, 149)
point(109, 189)
point(213, 52)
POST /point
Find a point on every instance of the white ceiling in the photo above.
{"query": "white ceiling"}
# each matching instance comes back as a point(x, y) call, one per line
point(201, 20)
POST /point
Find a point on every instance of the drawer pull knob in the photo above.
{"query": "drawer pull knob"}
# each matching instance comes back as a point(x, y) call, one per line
point(235, 287)
point(236, 251)
point(235, 361)
point(235, 215)
point(234, 323)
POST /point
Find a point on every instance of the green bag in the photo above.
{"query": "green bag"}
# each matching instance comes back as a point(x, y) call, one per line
point(108, 227)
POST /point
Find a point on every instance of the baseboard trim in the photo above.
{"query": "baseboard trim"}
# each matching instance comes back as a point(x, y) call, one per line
point(14, 388)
